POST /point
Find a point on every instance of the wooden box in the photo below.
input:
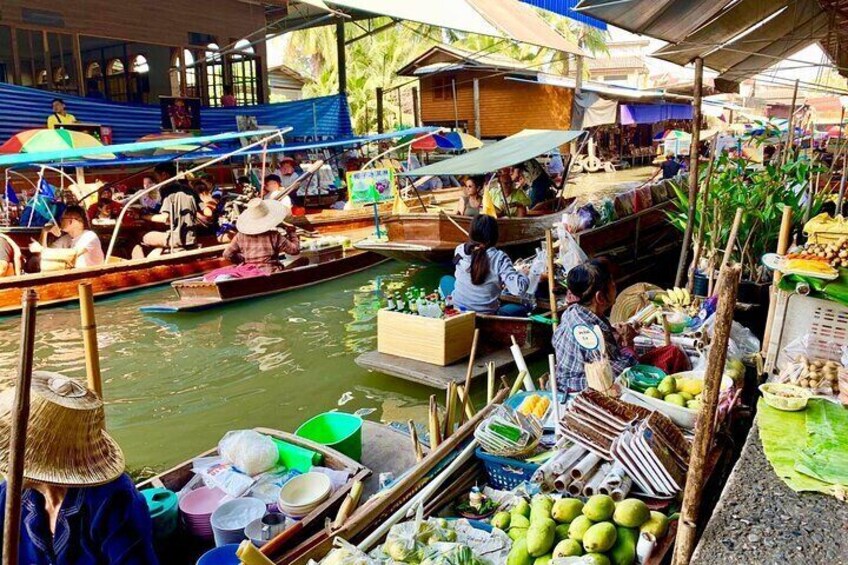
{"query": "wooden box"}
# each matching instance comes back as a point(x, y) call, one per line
point(431, 340)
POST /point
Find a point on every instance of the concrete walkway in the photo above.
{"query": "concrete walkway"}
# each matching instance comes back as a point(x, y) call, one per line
point(758, 519)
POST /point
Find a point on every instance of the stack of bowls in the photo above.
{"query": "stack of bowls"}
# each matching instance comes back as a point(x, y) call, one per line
point(162, 504)
point(231, 518)
point(197, 507)
point(304, 493)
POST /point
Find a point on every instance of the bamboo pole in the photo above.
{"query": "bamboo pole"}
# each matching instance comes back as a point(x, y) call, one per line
point(716, 358)
point(350, 503)
point(89, 338)
point(705, 199)
point(554, 393)
point(467, 406)
point(490, 381)
point(468, 373)
point(782, 247)
point(728, 249)
point(413, 436)
point(20, 421)
point(693, 171)
point(450, 409)
point(791, 133)
point(435, 428)
point(549, 247)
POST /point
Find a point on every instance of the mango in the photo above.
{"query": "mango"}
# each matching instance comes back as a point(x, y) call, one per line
point(516, 534)
point(657, 525)
point(501, 520)
point(561, 532)
point(578, 527)
point(540, 508)
point(566, 509)
point(693, 405)
point(595, 559)
point(568, 548)
point(518, 554)
point(543, 560)
point(600, 538)
point(675, 399)
point(540, 537)
point(599, 508)
point(518, 521)
point(690, 386)
point(631, 513)
point(667, 386)
point(686, 396)
point(521, 507)
point(624, 550)
point(653, 392)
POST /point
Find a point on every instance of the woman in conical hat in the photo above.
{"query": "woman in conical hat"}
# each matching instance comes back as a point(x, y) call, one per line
point(260, 244)
point(78, 505)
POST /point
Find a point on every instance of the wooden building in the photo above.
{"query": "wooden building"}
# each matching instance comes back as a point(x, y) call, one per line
point(133, 50)
point(480, 94)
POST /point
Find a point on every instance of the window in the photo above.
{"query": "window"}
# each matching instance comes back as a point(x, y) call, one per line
point(214, 74)
point(93, 70)
point(42, 78)
point(245, 73)
point(140, 64)
point(443, 88)
point(191, 73)
point(244, 46)
point(60, 77)
point(115, 67)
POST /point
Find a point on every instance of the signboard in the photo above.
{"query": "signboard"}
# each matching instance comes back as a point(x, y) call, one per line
point(179, 113)
point(371, 186)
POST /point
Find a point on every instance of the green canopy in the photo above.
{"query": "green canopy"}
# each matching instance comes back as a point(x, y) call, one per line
point(522, 146)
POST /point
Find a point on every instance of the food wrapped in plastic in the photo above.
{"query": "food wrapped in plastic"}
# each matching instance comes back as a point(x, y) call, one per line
point(659, 192)
point(815, 363)
point(251, 452)
point(642, 198)
point(346, 554)
point(408, 542)
point(623, 204)
point(451, 554)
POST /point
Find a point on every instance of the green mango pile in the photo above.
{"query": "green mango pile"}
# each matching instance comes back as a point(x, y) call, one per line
point(544, 529)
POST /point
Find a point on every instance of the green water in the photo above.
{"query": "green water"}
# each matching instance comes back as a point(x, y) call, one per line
point(175, 384)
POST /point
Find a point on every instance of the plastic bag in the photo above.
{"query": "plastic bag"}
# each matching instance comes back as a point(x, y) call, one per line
point(537, 267)
point(575, 222)
point(570, 253)
point(450, 554)
point(589, 215)
point(216, 472)
point(606, 211)
point(251, 452)
point(408, 542)
point(346, 554)
point(814, 363)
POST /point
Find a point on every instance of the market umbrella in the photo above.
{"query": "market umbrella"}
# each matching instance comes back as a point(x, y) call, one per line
point(41, 140)
point(182, 148)
point(833, 131)
point(449, 141)
point(675, 134)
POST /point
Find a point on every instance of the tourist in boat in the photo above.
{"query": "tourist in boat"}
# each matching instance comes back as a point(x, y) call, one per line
point(259, 245)
point(507, 199)
point(60, 115)
point(178, 213)
point(105, 208)
point(150, 200)
point(670, 167)
point(274, 188)
point(76, 247)
point(483, 271)
point(288, 172)
point(207, 215)
point(10, 257)
point(78, 505)
point(471, 200)
point(592, 293)
point(529, 178)
point(228, 100)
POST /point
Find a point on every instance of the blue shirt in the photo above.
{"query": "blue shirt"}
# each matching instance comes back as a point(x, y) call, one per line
point(96, 525)
point(485, 297)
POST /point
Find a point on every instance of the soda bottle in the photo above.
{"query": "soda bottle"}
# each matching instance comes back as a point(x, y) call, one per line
point(390, 301)
point(400, 305)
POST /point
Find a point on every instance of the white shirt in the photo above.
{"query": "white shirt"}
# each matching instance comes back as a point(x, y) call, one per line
point(89, 250)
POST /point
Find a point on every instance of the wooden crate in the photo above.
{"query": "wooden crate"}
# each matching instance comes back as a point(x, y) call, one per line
point(431, 340)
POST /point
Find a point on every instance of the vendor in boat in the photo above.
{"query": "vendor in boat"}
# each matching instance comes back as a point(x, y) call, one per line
point(483, 271)
point(76, 247)
point(78, 505)
point(592, 293)
point(259, 245)
point(105, 208)
point(507, 199)
point(10, 257)
point(531, 179)
point(178, 212)
point(471, 201)
point(60, 115)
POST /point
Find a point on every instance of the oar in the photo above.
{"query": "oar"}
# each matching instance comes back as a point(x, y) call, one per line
point(310, 170)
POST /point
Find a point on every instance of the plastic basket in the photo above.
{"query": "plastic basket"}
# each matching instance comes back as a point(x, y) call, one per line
point(336, 430)
point(505, 473)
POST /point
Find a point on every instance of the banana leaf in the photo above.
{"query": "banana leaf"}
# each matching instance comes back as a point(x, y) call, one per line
point(826, 454)
point(783, 449)
point(836, 290)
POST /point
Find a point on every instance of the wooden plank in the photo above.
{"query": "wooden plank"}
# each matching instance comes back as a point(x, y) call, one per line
point(434, 375)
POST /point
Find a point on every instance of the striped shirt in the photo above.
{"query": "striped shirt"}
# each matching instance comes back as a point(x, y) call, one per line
point(485, 298)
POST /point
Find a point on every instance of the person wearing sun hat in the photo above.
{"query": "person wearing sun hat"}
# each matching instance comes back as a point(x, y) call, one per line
point(260, 244)
point(78, 506)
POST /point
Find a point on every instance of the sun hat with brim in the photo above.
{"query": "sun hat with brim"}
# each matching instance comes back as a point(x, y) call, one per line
point(66, 443)
point(261, 216)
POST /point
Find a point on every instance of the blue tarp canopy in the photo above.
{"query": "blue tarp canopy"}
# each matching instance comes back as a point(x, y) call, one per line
point(566, 8)
point(22, 108)
point(651, 113)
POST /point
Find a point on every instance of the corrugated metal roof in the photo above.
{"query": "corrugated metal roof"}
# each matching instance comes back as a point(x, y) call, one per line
point(26, 108)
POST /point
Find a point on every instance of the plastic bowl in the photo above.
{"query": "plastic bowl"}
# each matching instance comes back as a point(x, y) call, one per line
point(336, 430)
point(231, 518)
point(201, 501)
point(676, 322)
point(224, 555)
point(786, 397)
point(305, 491)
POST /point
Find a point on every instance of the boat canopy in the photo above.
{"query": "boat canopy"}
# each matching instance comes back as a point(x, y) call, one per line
point(522, 146)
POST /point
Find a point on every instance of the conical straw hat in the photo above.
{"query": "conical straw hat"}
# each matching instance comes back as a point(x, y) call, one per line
point(66, 442)
point(261, 216)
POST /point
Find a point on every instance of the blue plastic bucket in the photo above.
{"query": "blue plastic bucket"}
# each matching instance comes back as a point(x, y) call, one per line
point(224, 555)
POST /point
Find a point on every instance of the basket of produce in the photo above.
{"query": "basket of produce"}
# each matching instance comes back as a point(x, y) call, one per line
point(505, 473)
point(789, 398)
point(537, 404)
point(509, 433)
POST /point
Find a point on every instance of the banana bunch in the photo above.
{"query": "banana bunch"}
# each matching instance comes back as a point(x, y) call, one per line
point(535, 405)
point(676, 298)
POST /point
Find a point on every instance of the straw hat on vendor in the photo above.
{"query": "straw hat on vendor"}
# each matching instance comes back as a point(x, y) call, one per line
point(74, 481)
point(261, 216)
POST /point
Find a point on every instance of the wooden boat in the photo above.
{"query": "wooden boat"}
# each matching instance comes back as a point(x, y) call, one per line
point(119, 275)
point(182, 548)
point(496, 334)
point(196, 294)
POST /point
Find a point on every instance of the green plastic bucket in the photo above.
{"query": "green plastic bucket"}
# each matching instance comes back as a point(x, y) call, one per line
point(337, 430)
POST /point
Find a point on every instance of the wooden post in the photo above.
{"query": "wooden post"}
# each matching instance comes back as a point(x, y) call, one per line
point(20, 420)
point(478, 128)
point(841, 197)
point(549, 248)
point(782, 247)
point(82, 87)
point(490, 381)
point(416, 112)
point(380, 109)
point(705, 199)
point(696, 477)
point(416, 445)
point(728, 249)
point(693, 171)
point(578, 75)
point(469, 371)
point(89, 339)
point(341, 57)
point(450, 410)
point(435, 427)
point(790, 140)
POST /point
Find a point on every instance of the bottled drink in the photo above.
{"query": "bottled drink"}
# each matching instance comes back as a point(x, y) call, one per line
point(413, 304)
point(390, 301)
point(400, 304)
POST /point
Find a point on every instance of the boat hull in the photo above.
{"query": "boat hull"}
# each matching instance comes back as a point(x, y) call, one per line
point(61, 287)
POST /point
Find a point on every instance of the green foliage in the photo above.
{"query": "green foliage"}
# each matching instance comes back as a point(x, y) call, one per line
point(761, 192)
